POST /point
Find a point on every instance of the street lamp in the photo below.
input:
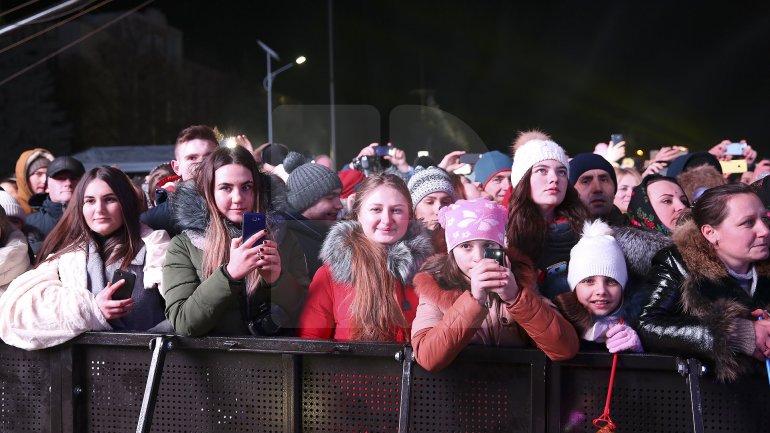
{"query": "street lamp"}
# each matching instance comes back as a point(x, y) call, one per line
point(267, 83)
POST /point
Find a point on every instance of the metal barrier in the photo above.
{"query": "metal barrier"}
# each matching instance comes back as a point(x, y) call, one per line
point(111, 382)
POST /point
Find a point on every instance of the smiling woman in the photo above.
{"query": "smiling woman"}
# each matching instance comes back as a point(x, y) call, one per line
point(364, 289)
point(99, 234)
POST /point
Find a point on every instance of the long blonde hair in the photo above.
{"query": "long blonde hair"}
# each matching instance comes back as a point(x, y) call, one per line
point(375, 312)
point(216, 251)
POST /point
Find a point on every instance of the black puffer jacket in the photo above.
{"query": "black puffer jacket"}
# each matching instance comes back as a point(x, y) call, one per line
point(697, 309)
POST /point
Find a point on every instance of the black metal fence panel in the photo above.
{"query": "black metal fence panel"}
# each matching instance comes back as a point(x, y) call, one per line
point(97, 382)
point(25, 390)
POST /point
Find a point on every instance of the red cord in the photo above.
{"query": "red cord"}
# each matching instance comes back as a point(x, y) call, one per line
point(604, 421)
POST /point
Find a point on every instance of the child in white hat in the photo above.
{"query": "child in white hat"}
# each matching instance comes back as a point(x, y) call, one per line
point(597, 276)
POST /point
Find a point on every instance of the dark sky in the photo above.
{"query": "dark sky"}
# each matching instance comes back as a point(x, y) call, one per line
point(660, 72)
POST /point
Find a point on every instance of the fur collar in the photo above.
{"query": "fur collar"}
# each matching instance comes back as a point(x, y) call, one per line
point(404, 257)
point(189, 210)
point(639, 246)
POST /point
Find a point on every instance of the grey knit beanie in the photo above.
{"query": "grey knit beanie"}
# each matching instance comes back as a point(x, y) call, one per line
point(427, 181)
point(308, 182)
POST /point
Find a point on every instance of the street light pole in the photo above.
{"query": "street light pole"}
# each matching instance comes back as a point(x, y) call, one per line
point(267, 83)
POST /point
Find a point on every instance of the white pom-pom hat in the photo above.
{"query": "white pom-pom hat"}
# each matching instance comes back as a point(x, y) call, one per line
point(597, 253)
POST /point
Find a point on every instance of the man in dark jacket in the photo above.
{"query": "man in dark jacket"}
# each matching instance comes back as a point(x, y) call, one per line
point(594, 179)
point(314, 205)
point(64, 173)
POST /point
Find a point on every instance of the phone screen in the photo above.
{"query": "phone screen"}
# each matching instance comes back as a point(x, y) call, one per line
point(470, 158)
point(495, 254)
point(253, 222)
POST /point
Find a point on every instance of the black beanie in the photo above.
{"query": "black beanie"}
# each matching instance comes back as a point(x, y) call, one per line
point(582, 162)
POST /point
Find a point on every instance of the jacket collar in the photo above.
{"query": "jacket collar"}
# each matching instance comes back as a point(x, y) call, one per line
point(404, 258)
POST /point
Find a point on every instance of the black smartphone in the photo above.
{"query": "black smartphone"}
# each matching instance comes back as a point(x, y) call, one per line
point(616, 138)
point(253, 222)
point(470, 158)
point(127, 289)
point(495, 254)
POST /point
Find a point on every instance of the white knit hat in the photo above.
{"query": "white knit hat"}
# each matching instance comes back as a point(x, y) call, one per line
point(532, 152)
point(597, 253)
point(11, 206)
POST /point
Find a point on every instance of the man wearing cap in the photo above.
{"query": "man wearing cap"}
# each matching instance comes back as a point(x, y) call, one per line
point(493, 172)
point(594, 179)
point(314, 204)
point(64, 172)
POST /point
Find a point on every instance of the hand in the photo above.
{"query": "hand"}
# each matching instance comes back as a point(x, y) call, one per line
point(749, 154)
point(653, 168)
point(113, 309)
point(666, 153)
point(719, 150)
point(368, 150)
point(615, 151)
point(244, 142)
point(269, 264)
point(451, 161)
point(398, 159)
point(244, 255)
point(762, 334)
point(488, 276)
point(621, 337)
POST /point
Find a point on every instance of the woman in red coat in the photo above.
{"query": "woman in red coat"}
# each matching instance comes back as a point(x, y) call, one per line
point(364, 289)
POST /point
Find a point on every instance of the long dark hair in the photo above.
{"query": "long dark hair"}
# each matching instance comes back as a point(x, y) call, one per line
point(72, 232)
point(526, 226)
point(216, 251)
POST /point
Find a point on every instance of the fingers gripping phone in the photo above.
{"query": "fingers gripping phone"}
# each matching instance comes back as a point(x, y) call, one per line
point(127, 289)
point(253, 223)
point(495, 254)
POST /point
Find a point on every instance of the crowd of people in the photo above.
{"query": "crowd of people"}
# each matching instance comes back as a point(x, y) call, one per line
point(527, 249)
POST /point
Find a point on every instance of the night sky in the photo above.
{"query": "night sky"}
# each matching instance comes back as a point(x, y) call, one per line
point(661, 72)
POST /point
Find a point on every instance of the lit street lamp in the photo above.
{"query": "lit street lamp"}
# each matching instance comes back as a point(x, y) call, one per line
point(267, 83)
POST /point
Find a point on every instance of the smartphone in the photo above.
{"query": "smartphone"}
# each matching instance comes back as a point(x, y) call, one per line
point(422, 153)
point(495, 254)
point(616, 138)
point(127, 289)
point(734, 166)
point(384, 150)
point(735, 149)
point(470, 158)
point(253, 222)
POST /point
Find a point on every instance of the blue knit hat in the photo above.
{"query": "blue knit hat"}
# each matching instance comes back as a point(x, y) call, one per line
point(583, 162)
point(490, 164)
point(685, 162)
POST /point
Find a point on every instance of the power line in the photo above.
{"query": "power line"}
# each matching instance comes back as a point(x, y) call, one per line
point(48, 29)
point(75, 42)
point(18, 7)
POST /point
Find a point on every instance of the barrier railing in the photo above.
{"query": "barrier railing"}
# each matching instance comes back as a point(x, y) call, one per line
point(114, 382)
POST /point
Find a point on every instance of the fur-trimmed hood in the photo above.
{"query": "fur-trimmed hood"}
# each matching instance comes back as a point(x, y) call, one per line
point(404, 258)
point(639, 247)
point(189, 210)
